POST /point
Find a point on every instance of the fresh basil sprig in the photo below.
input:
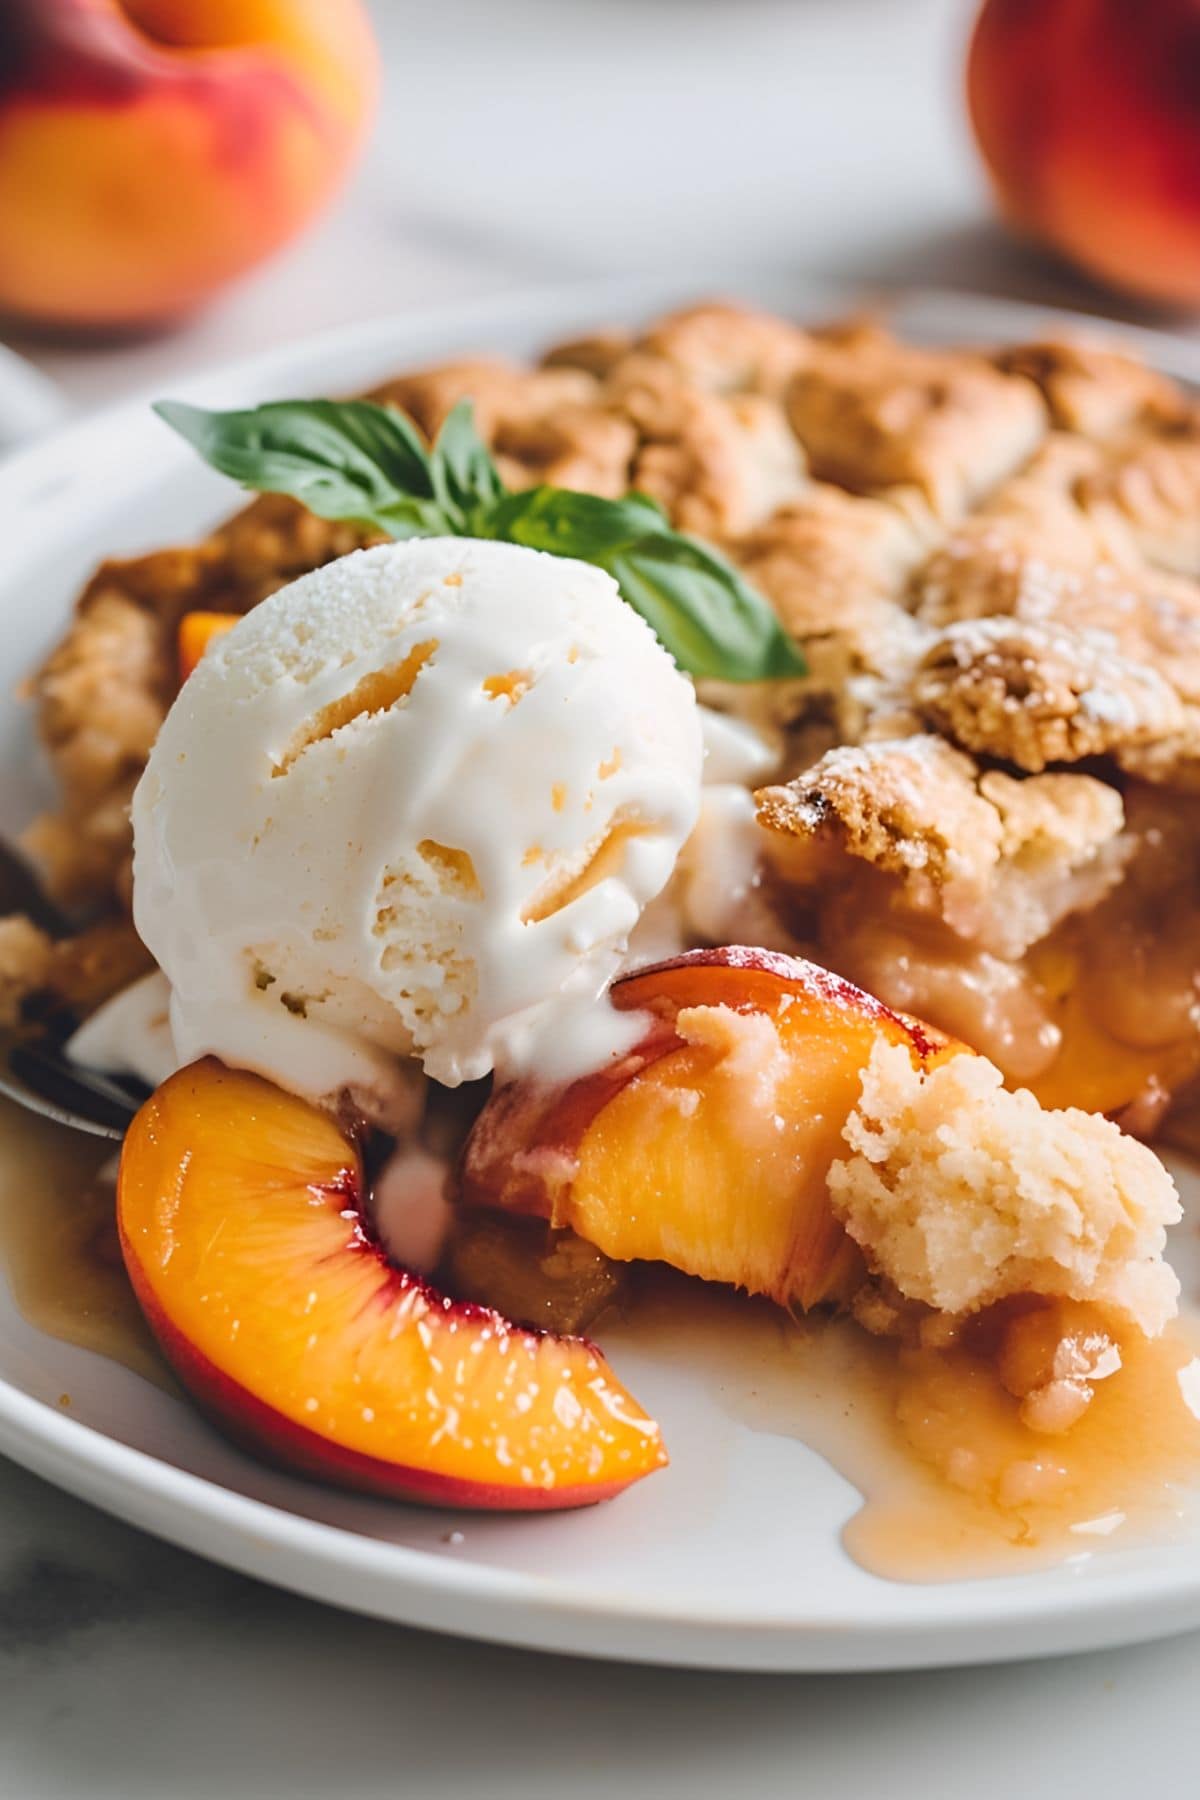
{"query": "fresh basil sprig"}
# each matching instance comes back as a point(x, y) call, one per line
point(352, 459)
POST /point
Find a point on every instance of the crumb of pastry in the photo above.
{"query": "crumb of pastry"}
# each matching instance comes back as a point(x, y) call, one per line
point(1038, 694)
point(717, 463)
point(1092, 388)
point(75, 973)
point(874, 413)
point(25, 957)
point(1000, 860)
point(745, 1046)
point(908, 806)
point(730, 348)
point(964, 1193)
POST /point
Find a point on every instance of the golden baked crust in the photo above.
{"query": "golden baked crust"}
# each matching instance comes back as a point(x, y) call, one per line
point(999, 860)
point(919, 806)
point(883, 497)
point(75, 973)
point(1150, 488)
point(1026, 550)
point(1171, 760)
point(547, 424)
point(1150, 618)
point(730, 348)
point(717, 462)
point(1057, 819)
point(1040, 694)
point(828, 558)
point(1091, 388)
point(875, 414)
point(25, 955)
point(908, 806)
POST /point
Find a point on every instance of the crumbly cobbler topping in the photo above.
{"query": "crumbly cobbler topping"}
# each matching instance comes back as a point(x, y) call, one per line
point(964, 1195)
point(990, 557)
point(974, 847)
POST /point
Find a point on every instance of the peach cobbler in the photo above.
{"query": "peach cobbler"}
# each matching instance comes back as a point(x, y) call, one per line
point(725, 797)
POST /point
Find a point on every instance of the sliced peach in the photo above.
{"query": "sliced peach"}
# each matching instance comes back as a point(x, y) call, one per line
point(241, 1214)
point(708, 1146)
point(197, 630)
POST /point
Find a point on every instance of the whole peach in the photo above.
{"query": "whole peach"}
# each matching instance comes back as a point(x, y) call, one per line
point(1088, 116)
point(151, 150)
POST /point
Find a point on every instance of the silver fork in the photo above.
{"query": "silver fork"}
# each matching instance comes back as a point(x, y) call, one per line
point(35, 1073)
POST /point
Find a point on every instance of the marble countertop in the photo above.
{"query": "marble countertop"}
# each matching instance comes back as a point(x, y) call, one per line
point(534, 141)
point(129, 1671)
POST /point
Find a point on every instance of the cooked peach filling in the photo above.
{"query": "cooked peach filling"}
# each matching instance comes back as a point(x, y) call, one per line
point(780, 1131)
point(1101, 1013)
point(197, 630)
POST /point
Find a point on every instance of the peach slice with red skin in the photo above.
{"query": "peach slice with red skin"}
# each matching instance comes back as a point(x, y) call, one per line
point(707, 1146)
point(242, 1224)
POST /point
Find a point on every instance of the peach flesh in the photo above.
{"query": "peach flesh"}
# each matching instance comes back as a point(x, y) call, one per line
point(239, 1211)
point(681, 1154)
point(197, 630)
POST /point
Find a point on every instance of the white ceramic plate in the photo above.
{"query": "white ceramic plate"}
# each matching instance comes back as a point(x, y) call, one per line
point(731, 1557)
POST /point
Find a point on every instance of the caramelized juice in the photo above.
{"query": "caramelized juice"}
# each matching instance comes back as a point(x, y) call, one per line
point(952, 1484)
point(981, 1493)
point(58, 1241)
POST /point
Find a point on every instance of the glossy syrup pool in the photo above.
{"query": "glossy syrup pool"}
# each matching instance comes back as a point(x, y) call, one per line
point(953, 1485)
point(58, 1241)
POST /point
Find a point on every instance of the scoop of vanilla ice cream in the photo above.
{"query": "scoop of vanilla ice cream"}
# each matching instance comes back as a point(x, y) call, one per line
point(413, 803)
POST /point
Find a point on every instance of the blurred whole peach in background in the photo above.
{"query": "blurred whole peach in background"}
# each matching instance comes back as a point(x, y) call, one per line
point(1088, 115)
point(151, 150)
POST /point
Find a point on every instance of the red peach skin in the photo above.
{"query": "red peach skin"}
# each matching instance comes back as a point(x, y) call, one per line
point(241, 1216)
point(708, 1146)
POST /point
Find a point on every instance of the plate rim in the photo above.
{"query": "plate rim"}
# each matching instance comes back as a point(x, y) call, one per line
point(510, 1606)
point(536, 1612)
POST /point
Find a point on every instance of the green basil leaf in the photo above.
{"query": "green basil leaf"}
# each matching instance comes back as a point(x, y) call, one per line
point(411, 518)
point(710, 619)
point(347, 459)
point(567, 523)
point(355, 460)
point(465, 478)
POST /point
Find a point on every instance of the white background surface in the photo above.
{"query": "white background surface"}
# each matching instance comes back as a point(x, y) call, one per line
point(519, 140)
